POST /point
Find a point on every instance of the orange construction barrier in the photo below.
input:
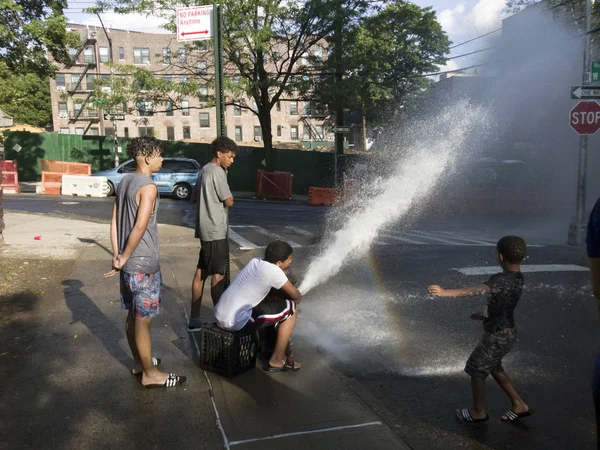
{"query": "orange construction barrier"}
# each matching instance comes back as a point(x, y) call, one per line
point(52, 172)
point(10, 178)
point(323, 196)
point(274, 184)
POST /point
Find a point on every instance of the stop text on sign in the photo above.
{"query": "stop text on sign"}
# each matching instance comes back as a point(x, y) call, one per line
point(585, 117)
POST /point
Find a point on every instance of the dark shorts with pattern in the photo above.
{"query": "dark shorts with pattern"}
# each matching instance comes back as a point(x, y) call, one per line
point(487, 356)
point(213, 256)
point(140, 293)
point(268, 313)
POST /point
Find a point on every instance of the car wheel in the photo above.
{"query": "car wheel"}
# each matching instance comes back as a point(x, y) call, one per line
point(182, 191)
point(111, 189)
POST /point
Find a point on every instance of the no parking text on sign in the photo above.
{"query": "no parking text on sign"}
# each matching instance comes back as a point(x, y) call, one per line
point(195, 23)
point(585, 117)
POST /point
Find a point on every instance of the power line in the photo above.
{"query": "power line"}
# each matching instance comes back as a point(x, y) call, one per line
point(475, 38)
point(471, 53)
point(452, 71)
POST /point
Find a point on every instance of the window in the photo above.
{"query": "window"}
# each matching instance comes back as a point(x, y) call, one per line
point(60, 80)
point(202, 66)
point(238, 133)
point(77, 107)
point(89, 81)
point(306, 134)
point(257, 133)
point(182, 55)
point(276, 56)
point(307, 109)
point(88, 55)
point(203, 94)
point(63, 113)
point(183, 78)
point(319, 129)
point(294, 108)
point(237, 111)
point(185, 108)
point(186, 133)
point(108, 131)
point(278, 106)
point(169, 108)
point(103, 51)
point(93, 132)
point(294, 132)
point(64, 130)
point(79, 130)
point(75, 80)
point(72, 53)
point(166, 54)
point(278, 130)
point(144, 109)
point(145, 131)
point(318, 53)
point(126, 131)
point(169, 78)
point(204, 120)
point(175, 166)
point(128, 168)
point(121, 53)
point(170, 133)
point(236, 80)
point(141, 56)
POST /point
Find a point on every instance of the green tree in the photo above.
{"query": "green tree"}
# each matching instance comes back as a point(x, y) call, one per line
point(29, 30)
point(25, 97)
point(274, 50)
point(385, 57)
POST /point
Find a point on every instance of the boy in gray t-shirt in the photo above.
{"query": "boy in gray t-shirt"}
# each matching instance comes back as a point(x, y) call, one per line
point(213, 196)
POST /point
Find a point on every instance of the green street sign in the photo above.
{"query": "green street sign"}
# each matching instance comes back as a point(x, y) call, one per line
point(595, 71)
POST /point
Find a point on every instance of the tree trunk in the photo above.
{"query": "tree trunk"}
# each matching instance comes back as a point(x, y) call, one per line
point(264, 117)
point(364, 128)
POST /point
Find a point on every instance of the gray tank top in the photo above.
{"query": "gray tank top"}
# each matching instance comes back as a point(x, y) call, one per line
point(146, 256)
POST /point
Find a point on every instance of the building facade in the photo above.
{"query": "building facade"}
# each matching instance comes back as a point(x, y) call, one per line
point(292, 120)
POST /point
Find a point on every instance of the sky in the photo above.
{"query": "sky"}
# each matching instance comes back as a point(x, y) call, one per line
point(461, 19)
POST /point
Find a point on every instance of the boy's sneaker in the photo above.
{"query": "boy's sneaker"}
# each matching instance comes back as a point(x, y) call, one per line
point(196, 325)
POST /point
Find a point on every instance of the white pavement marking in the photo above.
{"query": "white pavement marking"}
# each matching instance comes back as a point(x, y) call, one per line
point(274, 236)
point(489, 270)
point(402, 239)
point(243, 243)
point(466, 239)
point(299, 433)
point(300, 231)
point(433, 237)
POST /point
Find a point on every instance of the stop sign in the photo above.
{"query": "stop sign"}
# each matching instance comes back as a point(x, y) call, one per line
point(585, 117)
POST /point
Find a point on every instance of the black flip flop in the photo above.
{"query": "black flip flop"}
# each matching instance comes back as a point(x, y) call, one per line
point(465, 416)
point(172, 380)
point(510, 416)
point(288, 366)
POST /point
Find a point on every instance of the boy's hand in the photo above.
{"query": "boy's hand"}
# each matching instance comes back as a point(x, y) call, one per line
point(436, 290)
point(118, 262)
point(478, 316)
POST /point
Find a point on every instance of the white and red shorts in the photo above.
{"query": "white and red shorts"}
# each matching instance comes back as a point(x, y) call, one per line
point(268, 313)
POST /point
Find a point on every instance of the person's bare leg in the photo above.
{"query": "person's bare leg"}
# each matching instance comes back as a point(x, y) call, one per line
point(130, 333)
point(143, 341)
point(518, 406)
point(197, 291)
point(217, 287)
point(478, 409)
point(284, 332)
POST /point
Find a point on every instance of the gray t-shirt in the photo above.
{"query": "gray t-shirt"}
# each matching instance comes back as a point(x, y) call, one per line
point(146, 256)
point(211, 190)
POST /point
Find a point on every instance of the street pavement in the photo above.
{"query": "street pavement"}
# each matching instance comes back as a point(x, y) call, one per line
point(378, 351)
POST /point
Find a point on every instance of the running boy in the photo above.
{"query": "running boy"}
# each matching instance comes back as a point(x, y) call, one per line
point(499, 336)
point(243, 302)
point(134, 239)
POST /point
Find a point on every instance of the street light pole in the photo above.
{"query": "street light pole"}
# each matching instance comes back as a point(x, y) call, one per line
point(112, 85)
point(577, 229)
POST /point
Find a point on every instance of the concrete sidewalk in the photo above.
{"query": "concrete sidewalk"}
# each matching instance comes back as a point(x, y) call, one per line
point(70, 386)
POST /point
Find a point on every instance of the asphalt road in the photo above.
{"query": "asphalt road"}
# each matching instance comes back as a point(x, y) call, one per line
point(405, 349)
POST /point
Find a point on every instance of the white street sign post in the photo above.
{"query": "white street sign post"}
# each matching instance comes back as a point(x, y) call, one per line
point(195, 23)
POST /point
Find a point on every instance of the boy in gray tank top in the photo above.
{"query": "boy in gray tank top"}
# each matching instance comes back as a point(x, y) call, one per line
point(134, 239)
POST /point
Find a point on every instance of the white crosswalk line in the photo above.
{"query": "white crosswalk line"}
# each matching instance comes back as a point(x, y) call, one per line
point(455, 235)
point(434, 237)
point(239, 240)
point(300, 231)
point(526, 268)
point(402, 239)
point(274, 235)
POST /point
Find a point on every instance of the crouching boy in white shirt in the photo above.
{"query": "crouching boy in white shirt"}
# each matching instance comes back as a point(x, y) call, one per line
point(243, 303)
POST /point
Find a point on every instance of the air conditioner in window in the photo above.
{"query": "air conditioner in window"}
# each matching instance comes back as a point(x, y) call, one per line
point(258, 138)
point(63, 115)
point(61, 88)
point(91, 34)
point(105, 89)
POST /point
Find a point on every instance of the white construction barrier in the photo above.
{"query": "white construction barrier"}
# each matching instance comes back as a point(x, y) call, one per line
point(84, 185)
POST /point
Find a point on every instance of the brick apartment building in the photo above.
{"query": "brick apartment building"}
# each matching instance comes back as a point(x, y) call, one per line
point(292, 121)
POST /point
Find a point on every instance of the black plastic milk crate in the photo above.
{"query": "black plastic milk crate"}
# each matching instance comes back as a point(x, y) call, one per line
point(227, 353)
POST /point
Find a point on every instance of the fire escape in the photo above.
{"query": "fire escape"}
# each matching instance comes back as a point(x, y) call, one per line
point(81, 113)
point(308, 115)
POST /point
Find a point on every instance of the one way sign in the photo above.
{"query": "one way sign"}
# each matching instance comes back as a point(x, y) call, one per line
point(585, 92)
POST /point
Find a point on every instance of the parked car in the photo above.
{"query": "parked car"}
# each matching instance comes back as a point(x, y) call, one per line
point(176, 177)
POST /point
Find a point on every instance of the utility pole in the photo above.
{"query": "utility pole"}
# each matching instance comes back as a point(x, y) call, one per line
point(577, 229)
point(338, 150)
point(112, 86)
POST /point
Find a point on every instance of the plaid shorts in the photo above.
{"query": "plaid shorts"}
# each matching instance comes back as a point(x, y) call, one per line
point(487, 356)
point(140, 292)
